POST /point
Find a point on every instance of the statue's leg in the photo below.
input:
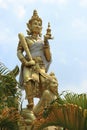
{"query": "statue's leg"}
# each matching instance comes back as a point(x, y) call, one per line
point(43, 102)
point(29, 94)
point(28, 86)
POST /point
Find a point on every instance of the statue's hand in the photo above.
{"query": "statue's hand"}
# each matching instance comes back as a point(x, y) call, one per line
point(45, 38)
point(30, 63)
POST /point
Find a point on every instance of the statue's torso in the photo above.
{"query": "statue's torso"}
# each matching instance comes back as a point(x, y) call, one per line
point(37, 52)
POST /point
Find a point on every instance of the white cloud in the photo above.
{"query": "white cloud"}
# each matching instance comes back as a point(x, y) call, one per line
point(6, 36)
point(60, 2)
point(16, 6)
point(3, 4)
point(25, 2)
point(80, 88)
point(7, 3)
point(63, 61)
point(62, 56)
point(14, 3)
point(83, 3)
point(81, 63)
point(79, 24)
point(20, 11)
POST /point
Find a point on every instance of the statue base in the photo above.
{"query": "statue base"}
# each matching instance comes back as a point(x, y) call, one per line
point(27, 118)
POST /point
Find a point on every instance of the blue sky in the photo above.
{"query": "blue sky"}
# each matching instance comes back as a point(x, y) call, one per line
point(68, 19)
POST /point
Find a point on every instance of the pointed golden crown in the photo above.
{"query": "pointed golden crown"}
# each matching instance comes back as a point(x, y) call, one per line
point(35, 17)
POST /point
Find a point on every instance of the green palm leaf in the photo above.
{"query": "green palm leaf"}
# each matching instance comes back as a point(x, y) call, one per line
point(8, 85)
point(8, 95)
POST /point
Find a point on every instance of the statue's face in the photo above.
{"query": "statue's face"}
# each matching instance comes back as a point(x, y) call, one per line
point(36, 26)
point(54, 87)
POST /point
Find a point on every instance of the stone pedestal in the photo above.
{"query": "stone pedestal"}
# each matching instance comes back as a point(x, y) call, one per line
point(28, 118)
point(25, 128)
point(26, 122)
point(53, 128)
point(48, 128)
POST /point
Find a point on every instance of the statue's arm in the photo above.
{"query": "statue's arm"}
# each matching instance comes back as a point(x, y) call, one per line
point(20, 53)
point(47, 51)
point(21, 57)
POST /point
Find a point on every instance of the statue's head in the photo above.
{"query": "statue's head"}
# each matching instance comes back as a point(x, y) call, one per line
point(34, 24)
point(53, 86)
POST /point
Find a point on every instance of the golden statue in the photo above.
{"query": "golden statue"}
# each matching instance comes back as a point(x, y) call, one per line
point(35, 63)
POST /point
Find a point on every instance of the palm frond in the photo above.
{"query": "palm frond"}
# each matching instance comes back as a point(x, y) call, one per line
point(8, 86)
point(72, 98)
point(69, 111)
point(76, 99)
point(3, 69)
point(9, 97)
point(8, 125)
point(15, 71)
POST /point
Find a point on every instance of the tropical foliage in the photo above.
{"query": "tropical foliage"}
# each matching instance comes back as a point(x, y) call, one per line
point(69, 111)
point(9, 98)
point(73, 98)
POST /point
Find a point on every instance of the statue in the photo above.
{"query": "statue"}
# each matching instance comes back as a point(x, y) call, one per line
point(35, 56)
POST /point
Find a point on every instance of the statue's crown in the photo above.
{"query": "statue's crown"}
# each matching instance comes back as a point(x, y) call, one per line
point(35, 17)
